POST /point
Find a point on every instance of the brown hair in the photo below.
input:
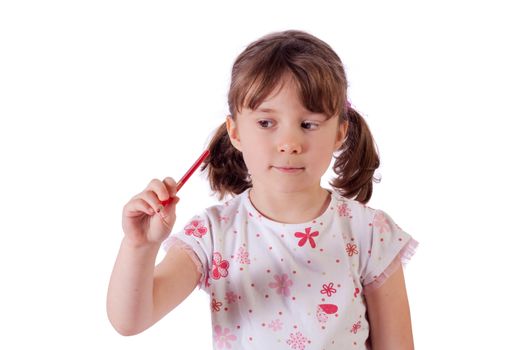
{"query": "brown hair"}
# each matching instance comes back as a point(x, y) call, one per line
point(320, 78)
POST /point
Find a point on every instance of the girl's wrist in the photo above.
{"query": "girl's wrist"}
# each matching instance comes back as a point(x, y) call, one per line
point(140, 246)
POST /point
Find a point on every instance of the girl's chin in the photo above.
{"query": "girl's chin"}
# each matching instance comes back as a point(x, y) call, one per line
point(285, 186)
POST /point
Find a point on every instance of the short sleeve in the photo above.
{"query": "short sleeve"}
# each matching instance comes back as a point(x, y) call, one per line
point(196, 239)
point(390, 247)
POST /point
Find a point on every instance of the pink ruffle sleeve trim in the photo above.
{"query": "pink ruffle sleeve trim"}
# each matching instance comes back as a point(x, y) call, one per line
point(401, 259)
point(177, 243)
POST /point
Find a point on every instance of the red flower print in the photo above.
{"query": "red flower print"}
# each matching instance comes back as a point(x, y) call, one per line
point(195, 228)
point(307, 236)
point(381, 222)
point(355, 327)
point(356, 292)
point(220, 267)
point(282, 283)
point(297, 341)
point(216, 305)
point(351, 249)
point(328, 289)
point(223, 337)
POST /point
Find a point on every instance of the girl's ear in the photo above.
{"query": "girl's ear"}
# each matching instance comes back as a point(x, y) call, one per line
point(341, 135)
point(233, 133)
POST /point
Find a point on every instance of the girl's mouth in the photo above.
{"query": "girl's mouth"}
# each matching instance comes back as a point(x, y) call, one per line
point(288, 170)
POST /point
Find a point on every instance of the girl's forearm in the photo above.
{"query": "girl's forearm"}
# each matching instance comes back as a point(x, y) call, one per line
point(130, 293)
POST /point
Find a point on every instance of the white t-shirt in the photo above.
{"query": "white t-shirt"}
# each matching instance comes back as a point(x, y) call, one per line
point(291, 286)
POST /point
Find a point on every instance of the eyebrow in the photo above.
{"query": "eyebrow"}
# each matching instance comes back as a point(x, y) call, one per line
point(266, 110)
point(271, 110)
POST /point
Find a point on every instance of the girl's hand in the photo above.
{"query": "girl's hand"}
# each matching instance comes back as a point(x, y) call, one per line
point(144, 219)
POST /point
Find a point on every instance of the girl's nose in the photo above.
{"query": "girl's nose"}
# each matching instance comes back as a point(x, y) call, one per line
point(290, 139)
point(290, 148)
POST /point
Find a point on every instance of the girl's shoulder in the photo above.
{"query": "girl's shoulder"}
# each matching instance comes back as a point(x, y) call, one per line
point(363, 219)
point(351, 208)
point(222, 215)
point(232, 205)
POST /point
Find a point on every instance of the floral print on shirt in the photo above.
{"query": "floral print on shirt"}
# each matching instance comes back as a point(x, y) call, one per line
point(291, 286)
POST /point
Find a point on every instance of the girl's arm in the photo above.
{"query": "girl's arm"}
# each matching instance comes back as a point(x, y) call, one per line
point(140, 293)
point(389, 315)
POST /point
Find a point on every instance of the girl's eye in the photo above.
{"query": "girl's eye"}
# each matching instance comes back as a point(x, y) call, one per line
point(264, 123)
point(309, 125)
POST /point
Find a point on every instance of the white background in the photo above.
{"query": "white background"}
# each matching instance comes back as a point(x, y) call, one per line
point(99, 97)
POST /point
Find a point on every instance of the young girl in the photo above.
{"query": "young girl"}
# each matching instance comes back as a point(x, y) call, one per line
point(287, 264)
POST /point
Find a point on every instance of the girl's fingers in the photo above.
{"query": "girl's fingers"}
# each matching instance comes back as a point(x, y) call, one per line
point(159, 194)
point(159, 188)
point(171, 186)
point(138, 206)
point(153, 200)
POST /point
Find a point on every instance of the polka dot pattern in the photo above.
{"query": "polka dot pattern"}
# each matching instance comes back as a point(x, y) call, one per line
point(271, 284)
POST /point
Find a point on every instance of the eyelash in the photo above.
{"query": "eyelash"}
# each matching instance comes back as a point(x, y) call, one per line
point(260, 122)
point(313, 124)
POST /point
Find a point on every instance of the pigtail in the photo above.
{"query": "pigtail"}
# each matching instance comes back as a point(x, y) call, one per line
point(357, 160)
point(227, 172)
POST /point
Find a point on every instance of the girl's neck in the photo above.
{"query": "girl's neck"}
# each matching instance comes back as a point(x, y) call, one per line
point(291, 208)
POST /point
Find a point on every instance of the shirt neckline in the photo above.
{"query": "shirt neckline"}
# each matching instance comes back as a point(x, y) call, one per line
point(320, 220)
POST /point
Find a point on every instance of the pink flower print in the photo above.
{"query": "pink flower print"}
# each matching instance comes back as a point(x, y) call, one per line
point(351, 249)
point(276, 325)
point(307, 236)
point(381, 222)
point(328, 289)
point(355, 327)
point(297, 341)
point(220, 267)
point(243, 256)
point(343, 210)
point(223, 337)
point(231, 297)
point(282, 284)
point(216, 305)
point(195, 228)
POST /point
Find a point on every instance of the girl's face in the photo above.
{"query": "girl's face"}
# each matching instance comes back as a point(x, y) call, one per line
point(286, 148)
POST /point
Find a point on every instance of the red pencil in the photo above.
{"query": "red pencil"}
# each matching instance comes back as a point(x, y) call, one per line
point(186, 176)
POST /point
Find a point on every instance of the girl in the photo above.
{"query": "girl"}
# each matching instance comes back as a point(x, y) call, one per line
point(288, 264)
